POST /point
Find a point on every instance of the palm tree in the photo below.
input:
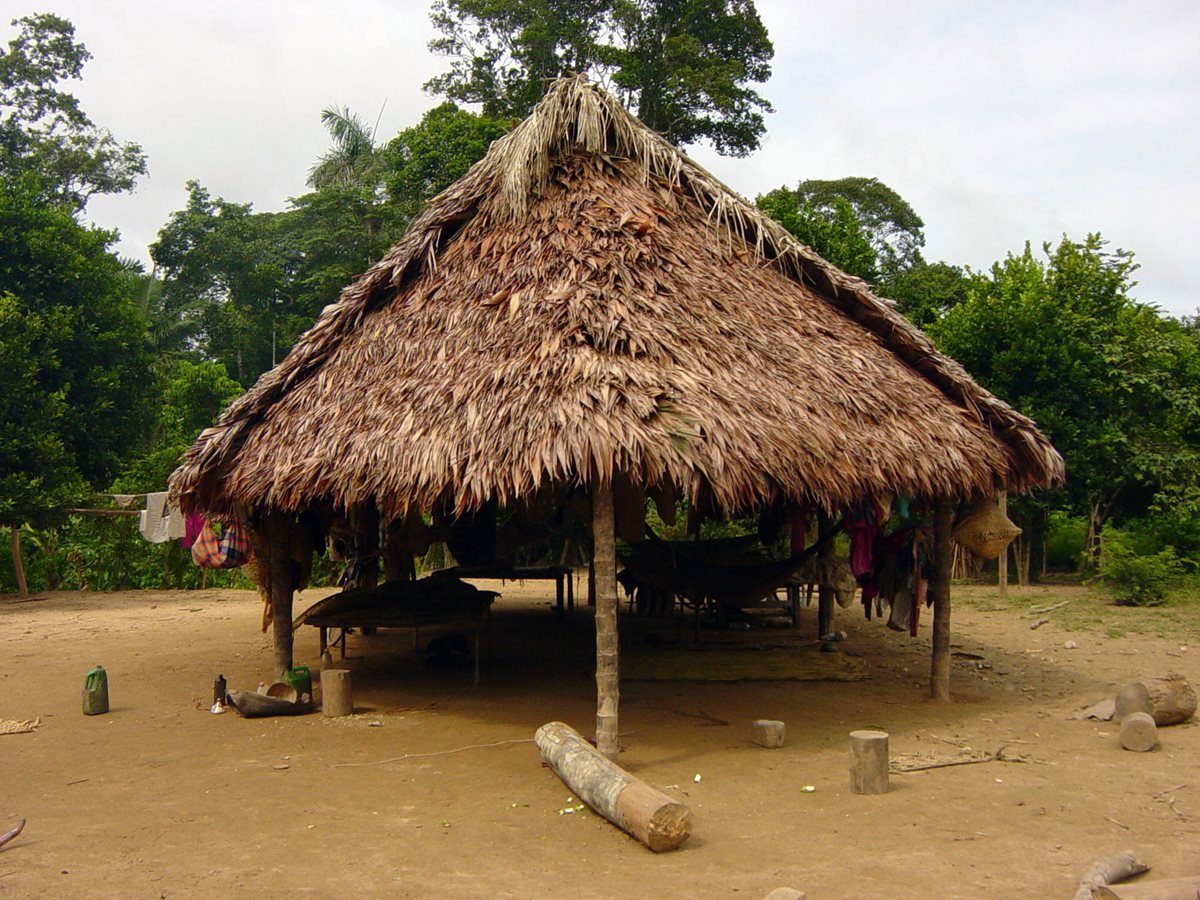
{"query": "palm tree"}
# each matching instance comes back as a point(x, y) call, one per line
point(354, 155)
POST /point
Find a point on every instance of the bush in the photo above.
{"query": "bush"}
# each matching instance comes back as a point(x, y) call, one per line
point(1136, 579)
point(1065, 537)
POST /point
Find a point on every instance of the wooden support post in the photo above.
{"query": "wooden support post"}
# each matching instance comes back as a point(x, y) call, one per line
point(18, 564)
point(939, 671)
point(658, 821)
point(824, 564)
point(366, 540)
point(336, 697)
point(1004, 553)
point(604, 556)
point(278, 527)
point(869, 762)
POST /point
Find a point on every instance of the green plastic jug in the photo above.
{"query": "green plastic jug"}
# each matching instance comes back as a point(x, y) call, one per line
point(95, 692)
point(299, 678)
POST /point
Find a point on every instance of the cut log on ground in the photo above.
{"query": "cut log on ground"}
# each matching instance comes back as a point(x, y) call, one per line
point(768, 733)
point(1108, 871)
point(1138, 732)
point(1130, 698)
point(1170, 699)
point(1170, 889)
point(869, 762)
point(648, 814)
point(336, 697)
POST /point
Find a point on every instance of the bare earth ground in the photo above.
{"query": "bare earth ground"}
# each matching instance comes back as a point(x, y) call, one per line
point(161, 798)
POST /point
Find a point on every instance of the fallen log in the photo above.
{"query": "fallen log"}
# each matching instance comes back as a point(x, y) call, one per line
point(1109, 870)
point(648, 814)
point(1170, 889)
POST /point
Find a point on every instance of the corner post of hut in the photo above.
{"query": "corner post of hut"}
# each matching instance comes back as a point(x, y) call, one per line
point(824, 565)
point(604, 557)
point(939, 674)
point(280, 585)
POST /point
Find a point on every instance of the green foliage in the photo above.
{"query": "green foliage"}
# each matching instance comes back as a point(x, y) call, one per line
point(425, 159)
point(925, 292)
point(1065, 540)
point(75, 365)
point(684, 65)
point(1115, 386)
point(44, 131)
point(1136, 579)
point(833, 231)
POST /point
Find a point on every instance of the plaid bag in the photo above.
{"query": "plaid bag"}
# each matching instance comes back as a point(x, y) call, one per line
point(222, 547)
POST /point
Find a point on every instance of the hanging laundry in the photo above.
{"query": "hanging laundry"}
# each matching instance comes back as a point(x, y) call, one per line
point(157, 523)
point(192, 527)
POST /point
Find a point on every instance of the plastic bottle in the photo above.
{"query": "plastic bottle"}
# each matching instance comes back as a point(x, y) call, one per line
point(95, 692)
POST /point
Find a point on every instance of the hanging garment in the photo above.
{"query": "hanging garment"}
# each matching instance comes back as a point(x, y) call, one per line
point(192, 527)
point(157, 523)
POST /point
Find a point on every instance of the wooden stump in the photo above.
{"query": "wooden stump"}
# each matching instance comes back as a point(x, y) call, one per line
point(652, 817)
point(869, 762)
point(768, 733)
point(1138, 732)
point(1132, 697)
point(336, 698)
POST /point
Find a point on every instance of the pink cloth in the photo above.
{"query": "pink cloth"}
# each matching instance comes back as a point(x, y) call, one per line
point(191, 529)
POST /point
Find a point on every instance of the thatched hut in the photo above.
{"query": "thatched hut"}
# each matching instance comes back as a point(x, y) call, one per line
point(586, 308)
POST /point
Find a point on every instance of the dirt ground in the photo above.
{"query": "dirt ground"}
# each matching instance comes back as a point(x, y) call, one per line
point(435, 789)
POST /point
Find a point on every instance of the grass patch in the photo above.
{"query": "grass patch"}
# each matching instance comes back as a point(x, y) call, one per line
point(1090, 609)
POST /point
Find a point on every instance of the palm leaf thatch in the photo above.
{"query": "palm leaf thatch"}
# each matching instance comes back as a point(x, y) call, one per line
point(587, 301)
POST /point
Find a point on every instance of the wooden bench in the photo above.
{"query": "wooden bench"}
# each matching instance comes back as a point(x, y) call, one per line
point(562, 576)
point(474, 617)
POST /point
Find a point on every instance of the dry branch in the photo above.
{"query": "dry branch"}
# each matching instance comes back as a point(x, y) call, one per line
point(1109, 870)
point(12, 833)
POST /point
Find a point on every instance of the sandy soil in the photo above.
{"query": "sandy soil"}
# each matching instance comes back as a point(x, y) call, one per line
point(160, 798)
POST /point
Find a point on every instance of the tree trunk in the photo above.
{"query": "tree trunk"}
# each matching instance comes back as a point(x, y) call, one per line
point(939, 672)
point(604, 554)
point(18, 564)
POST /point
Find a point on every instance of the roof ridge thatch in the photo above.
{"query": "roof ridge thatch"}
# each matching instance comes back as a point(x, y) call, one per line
point(576, 117)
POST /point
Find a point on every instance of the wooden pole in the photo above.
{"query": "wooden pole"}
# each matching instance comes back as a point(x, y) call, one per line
point(18, 565)
point(939, 673)
point(1004, 553)
point(604, 554)
point(279, 586)
point(824, 564)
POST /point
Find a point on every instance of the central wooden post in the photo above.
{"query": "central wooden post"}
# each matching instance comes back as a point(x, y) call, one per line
point(278, 527)
point(604, 556)
point(824, 565)
point(1004, 553)
point(939, 672)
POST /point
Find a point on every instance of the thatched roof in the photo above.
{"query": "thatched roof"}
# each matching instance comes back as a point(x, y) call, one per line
point(586, 299)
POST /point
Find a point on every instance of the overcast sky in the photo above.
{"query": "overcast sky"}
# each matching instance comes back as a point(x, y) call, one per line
point(998, 122)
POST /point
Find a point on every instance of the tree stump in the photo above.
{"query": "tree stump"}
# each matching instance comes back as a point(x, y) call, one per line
point(1138, 732)
point(652, 817)
point(768, 733)
point(869, 762)
point(336, 699)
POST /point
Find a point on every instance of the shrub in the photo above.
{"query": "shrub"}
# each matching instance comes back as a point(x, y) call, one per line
point(1136, 579)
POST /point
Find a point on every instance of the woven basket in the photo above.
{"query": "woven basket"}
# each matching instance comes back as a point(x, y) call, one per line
point(986, 531)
